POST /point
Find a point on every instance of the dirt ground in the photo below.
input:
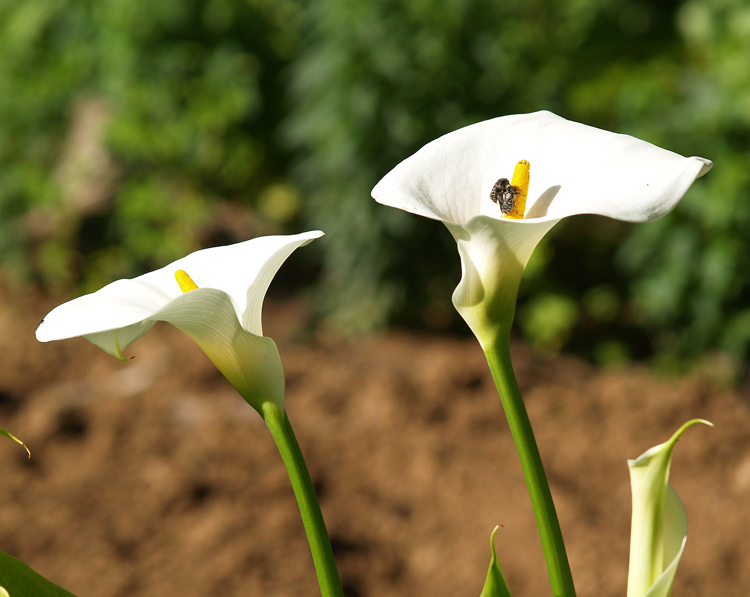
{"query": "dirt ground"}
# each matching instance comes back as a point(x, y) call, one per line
point(153, 478)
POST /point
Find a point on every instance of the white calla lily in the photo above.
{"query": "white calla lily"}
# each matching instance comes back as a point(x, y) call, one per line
point(575, 169)
point(659, 522)
point(222, 315)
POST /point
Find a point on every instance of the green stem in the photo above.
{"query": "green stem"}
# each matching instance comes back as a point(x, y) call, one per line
point(312, 518)
point(498, 358)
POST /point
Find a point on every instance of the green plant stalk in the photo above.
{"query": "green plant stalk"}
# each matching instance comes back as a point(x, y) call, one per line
point(312, 518)
point(498, 358)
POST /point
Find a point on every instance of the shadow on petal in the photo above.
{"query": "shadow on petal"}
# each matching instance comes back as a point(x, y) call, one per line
point(541, 205)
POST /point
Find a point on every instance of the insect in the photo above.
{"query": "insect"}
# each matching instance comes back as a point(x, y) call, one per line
point(504, 194)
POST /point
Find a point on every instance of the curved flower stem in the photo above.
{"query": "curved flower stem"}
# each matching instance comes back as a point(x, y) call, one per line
point(312, 518)
point(498, 358)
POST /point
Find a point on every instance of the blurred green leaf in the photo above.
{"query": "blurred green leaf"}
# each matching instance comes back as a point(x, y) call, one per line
point(21, 581)
point(143, 125)
point(139, 123)
point(547, 320)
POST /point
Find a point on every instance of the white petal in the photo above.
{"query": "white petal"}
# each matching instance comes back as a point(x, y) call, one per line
point(112, 317)
point(276, 253)
point(117, 305)
point(243, 270)
point(575, 169)
point(250, 362)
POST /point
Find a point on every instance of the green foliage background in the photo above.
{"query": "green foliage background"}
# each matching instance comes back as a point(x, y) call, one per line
point(132, 132)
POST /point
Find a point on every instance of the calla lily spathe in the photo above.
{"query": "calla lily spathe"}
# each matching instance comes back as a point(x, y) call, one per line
point(575, 169)
point(659, 522)
point(223, 315)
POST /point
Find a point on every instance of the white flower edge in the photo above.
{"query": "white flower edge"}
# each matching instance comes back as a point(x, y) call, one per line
point(223, 315)
point(659, 521)
point(118, 314)
point(575, 169)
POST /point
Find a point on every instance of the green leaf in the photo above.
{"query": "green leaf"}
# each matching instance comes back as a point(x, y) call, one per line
point(495, 585)
point(19, 580)
point(18, 441)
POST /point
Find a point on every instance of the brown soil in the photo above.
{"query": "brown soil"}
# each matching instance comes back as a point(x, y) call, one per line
point(153, 478)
